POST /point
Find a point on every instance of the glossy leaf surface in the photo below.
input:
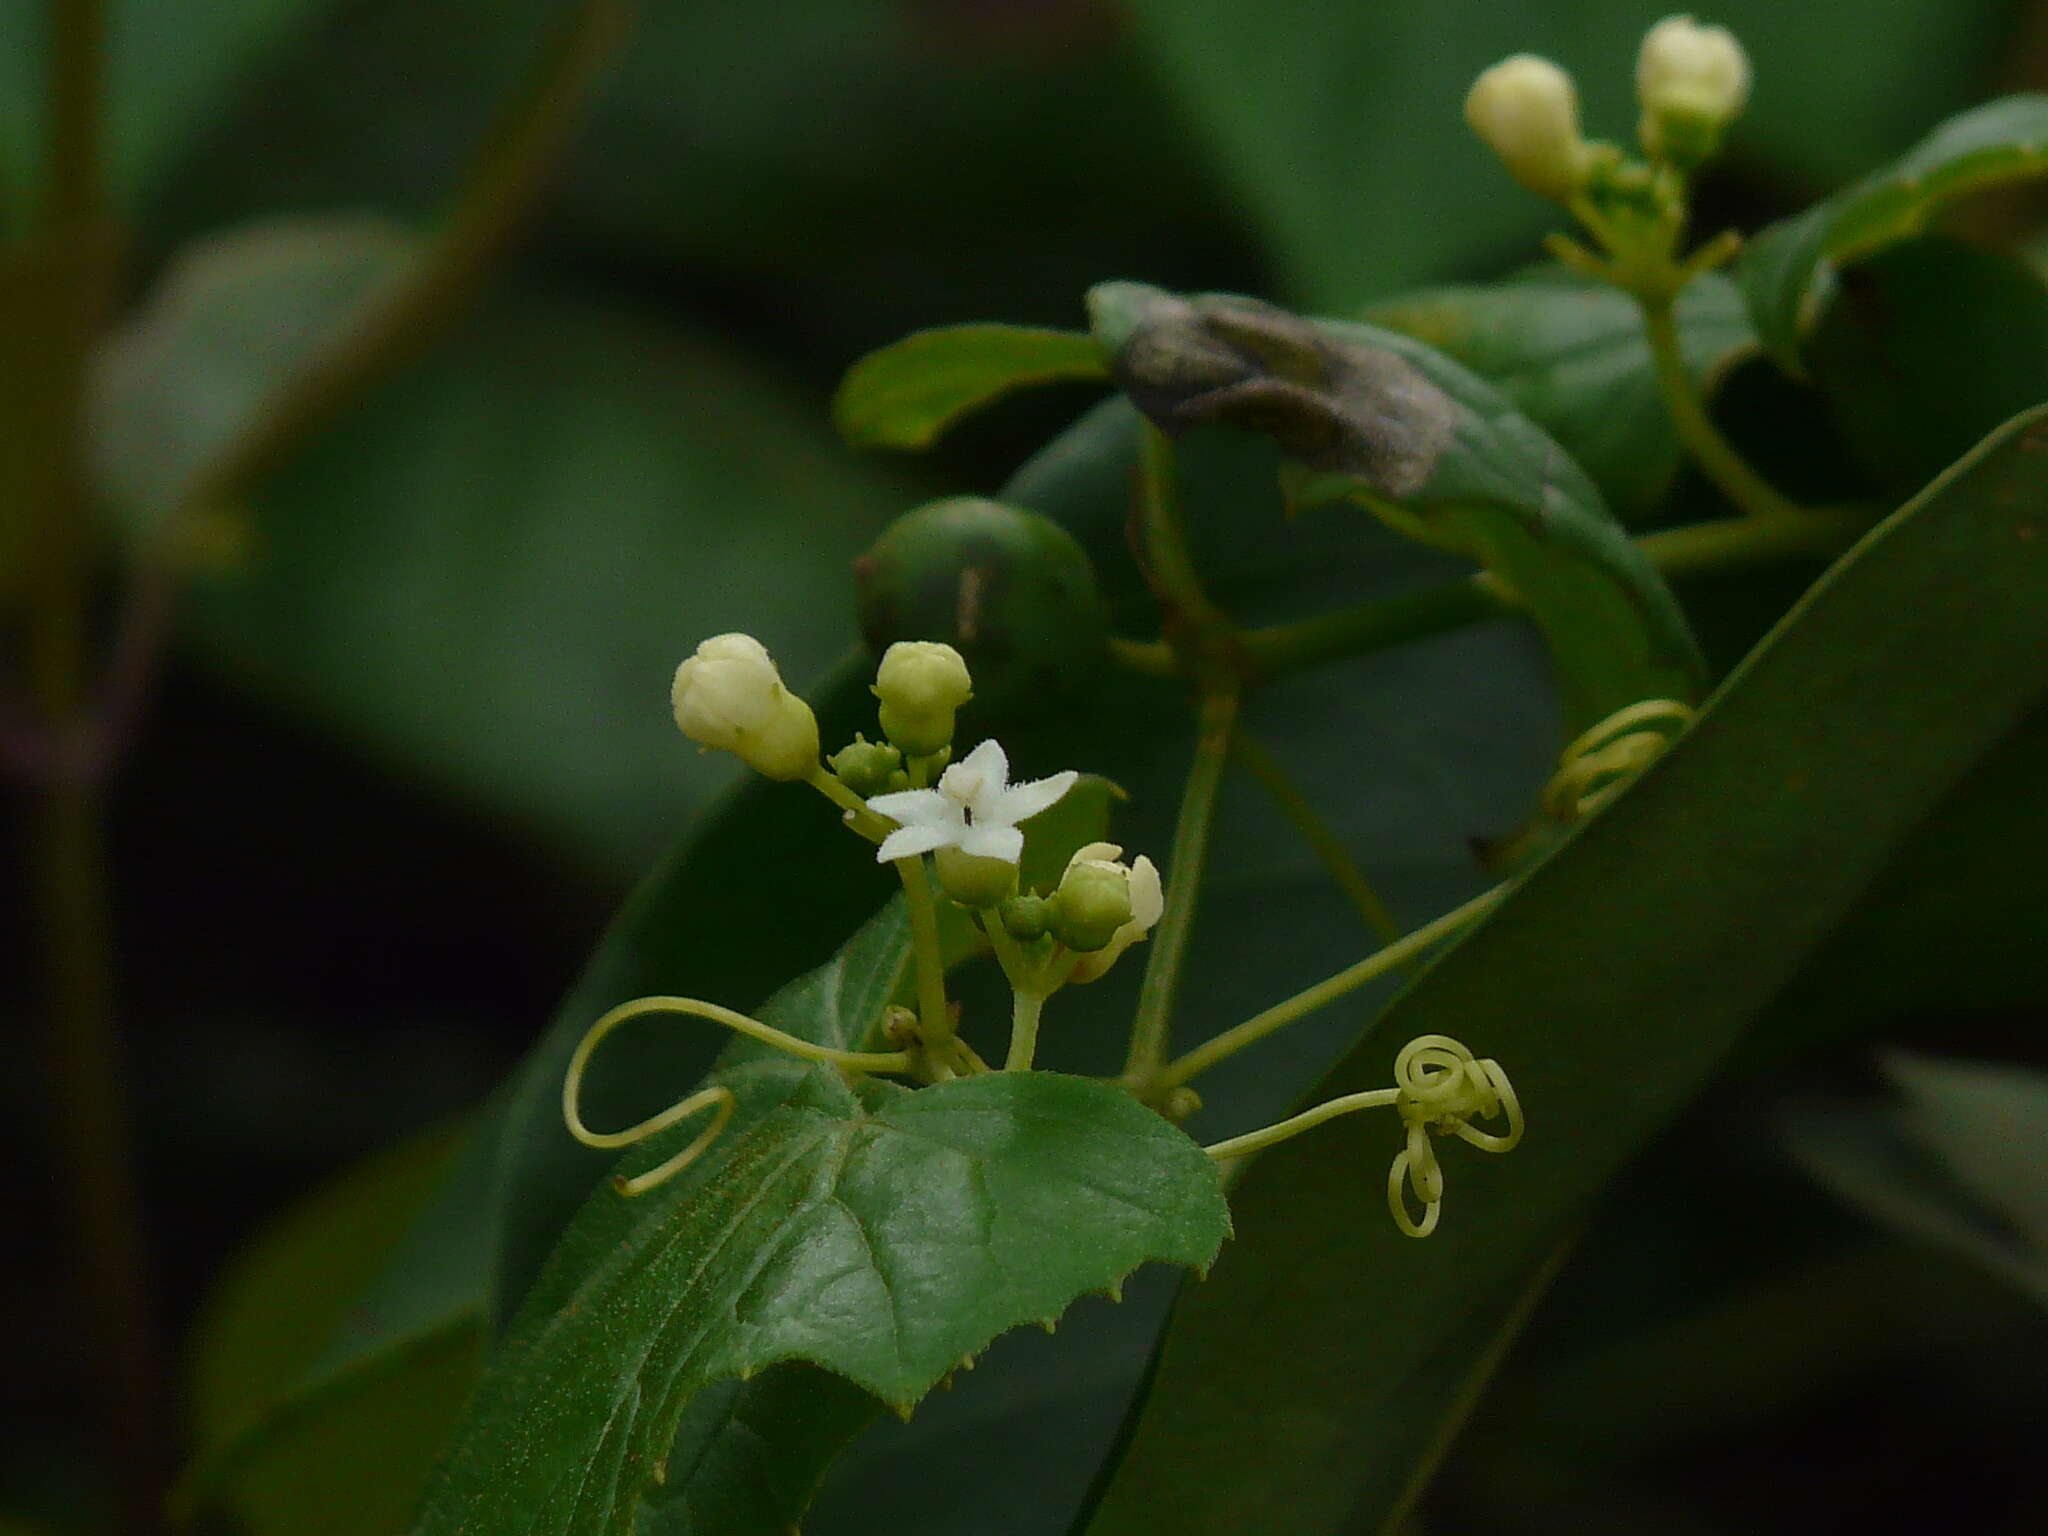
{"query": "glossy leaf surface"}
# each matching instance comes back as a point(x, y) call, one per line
point(908, 394)
point(1699, 891)
point(1570, 353)
point(1377, 418)
point(1790, 267)
point(887, 1235)
point(1886, 351)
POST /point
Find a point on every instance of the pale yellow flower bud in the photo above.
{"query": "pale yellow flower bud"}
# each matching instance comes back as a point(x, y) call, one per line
point(1526, 109)
point(729, 696)
point(1692, 81)
point(920, 684)
point(1148, 905)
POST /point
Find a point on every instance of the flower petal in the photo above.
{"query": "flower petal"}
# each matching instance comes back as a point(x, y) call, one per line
point(1023, 801)
point(916, 807)
point(989, 841)
point(905, 841)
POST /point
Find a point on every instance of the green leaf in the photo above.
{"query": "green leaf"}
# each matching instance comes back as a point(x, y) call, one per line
point(1953, 923)
point(1339, 127)
point(483, 574)
point(170, 75)
point(1961, 1161)
point(229, 324)
point(1791, 267)
point(1378, 418)
point(301, 1377)
point(1507, 496)
point(1609, 983)
point(887, 1235)
point(907, 394)
point(1886, 354)
point(1570, 353)
point(716, 920)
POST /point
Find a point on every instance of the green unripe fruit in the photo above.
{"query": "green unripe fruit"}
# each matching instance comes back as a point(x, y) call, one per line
point(866, 767)
point(1008, 589)
point(1093, 901)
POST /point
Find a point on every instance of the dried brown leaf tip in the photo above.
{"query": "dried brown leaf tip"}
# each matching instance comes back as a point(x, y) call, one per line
point(1332, 404)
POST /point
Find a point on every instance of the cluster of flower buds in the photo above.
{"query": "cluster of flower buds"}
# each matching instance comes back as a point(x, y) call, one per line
point(730, 696)
point(1692, 81)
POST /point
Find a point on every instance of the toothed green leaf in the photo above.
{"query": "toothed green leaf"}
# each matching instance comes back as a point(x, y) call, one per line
point(878, 1232)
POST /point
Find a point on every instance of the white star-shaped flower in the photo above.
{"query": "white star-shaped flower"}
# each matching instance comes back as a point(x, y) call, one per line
point(975, 809)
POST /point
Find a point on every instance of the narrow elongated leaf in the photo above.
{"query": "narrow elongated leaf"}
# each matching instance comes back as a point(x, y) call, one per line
point(1609, 984)
point(1570, 353)
point(1376, 417)
point(908, 394)
point(887, 1235)
point(1790, 267)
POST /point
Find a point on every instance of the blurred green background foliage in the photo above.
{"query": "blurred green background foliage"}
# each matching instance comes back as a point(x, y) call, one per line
point(412, 747)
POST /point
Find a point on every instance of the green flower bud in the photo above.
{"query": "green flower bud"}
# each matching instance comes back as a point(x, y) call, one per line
point(866, 767)
point(972, 879)
point(1093, 901)
point(730, 697)
point(1027, 917)
point(1009, 590)
point(1692, 81)
point(1527, 111)
point(921, 683)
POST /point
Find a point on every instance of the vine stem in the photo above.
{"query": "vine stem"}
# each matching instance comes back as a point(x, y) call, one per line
point(1307, 1120)
point(69, 264)
point(1151, 1025)
point(1714, 454)
point(1324, 992)
point(934, 1017)
point(1698, 548)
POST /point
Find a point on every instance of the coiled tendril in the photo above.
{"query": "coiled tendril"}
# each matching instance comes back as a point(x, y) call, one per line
point(718, 1097)
point(1604, 758)
point(1441, 1087)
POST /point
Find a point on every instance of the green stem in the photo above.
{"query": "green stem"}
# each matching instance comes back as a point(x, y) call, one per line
point(867, 823)
point(1727, 542)
point(1151, 1026)
point(1714, 454)
point(1721, 544)
point(64, 272)
point(1329, 850)
point(934, 1018)
point(1307, 1120)
point(1024, 1010)
point(1169, 564)
point(1324, 992)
